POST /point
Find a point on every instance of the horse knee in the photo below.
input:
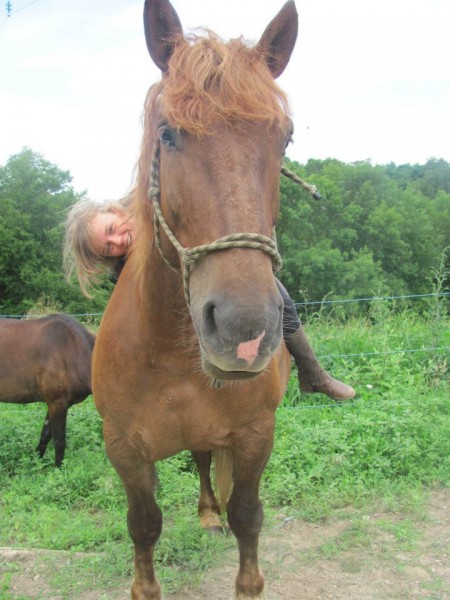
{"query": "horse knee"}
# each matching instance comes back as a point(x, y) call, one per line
point(145, 529)
point(245, 519)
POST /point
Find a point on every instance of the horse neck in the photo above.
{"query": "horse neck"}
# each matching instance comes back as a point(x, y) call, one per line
point(161, 299)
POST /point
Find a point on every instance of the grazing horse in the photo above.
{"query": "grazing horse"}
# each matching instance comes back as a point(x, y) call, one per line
point(189, 355)
point(46, 360)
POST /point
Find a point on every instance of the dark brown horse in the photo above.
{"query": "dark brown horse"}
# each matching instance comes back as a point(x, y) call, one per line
point(189, 353)
point(46, 360)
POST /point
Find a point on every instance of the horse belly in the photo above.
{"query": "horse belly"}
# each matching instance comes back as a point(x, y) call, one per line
point(17, 386)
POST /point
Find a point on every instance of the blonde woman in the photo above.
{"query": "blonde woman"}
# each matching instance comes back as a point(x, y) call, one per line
point(97, 241)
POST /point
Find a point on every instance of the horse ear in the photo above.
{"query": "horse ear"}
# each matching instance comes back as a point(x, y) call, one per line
point(162, 26)
point(278, 39)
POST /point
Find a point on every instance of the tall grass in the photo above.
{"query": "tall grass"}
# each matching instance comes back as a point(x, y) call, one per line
point(388, 445)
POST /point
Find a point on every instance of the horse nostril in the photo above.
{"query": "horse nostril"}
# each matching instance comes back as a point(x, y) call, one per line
point(209, 319)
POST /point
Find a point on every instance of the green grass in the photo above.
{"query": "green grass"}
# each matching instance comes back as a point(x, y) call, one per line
point(385, 448)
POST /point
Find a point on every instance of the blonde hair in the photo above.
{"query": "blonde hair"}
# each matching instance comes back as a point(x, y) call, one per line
point(79, 255)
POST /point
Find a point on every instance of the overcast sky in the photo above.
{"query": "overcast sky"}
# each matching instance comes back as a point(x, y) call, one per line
point(369, 79)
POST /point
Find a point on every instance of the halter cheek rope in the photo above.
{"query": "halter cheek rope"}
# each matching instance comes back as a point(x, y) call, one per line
point(189, 256)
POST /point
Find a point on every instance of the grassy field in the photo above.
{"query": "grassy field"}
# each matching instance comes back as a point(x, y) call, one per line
point(387, 447)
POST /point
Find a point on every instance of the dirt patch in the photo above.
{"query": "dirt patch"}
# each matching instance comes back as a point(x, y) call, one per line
point(380, 556)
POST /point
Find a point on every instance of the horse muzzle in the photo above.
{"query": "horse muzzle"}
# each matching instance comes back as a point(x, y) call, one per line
point(237, 341)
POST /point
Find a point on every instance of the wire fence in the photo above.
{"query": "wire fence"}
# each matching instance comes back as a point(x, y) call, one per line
point(306, 303)
point(373, 298)
point(11, 409)
point(315, 302)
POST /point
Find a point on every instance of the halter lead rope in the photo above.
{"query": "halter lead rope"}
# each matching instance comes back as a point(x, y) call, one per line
point(310, 188)
point(189, 256)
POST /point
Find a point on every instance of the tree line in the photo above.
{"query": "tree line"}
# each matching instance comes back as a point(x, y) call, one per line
point(377, 229)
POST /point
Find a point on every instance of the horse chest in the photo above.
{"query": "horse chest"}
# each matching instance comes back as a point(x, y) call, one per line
point(166, 418)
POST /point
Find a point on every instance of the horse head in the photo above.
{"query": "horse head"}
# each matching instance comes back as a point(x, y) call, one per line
point(219, 127)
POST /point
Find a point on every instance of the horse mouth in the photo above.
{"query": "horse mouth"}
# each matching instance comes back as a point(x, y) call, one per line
point(217, 373)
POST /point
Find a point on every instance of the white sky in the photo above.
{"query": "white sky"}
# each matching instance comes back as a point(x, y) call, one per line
point(369, 79)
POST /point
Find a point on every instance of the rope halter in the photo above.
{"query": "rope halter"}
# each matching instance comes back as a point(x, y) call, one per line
point(189, 256)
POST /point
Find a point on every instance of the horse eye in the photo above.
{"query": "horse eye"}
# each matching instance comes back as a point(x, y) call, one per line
point(167, 137)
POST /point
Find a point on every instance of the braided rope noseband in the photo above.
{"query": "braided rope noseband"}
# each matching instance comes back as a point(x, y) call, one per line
point(189, 256)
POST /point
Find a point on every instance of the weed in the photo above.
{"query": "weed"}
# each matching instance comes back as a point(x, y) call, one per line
point(383, 449)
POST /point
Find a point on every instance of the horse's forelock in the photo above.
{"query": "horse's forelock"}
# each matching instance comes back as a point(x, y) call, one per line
point(209, 81)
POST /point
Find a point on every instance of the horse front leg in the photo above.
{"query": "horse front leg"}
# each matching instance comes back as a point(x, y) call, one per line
point(245, 512)
point(144, 520)
point(144, 517)
point(57, 416)
point(208, 507)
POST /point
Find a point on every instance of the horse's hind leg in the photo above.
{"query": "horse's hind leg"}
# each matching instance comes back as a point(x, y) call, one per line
point(54, 427)
point(144, 516)
point(46, 436)
point(208, 508)
point(245, 514)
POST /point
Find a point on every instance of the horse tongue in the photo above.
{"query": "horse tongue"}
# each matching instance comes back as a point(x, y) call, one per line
point(248, 351)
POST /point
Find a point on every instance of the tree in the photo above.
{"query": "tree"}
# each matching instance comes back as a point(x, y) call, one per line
point(376, 228)
point(34, 197)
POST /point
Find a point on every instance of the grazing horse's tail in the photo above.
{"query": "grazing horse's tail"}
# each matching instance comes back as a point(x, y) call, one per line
point(223, 462)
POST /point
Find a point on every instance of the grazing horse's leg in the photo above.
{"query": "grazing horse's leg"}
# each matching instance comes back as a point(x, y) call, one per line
point(57, 414)
point(46, 436)
point(208, 508)
point(245, 512)
point(144, 516)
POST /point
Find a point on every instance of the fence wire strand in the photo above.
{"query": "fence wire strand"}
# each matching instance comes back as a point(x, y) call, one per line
point(306, 303)
point(7, 410)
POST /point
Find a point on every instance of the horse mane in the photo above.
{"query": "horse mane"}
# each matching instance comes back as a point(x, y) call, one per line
point(207, 81)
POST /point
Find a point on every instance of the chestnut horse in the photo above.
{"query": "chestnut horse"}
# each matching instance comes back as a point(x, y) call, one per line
point(189, 355)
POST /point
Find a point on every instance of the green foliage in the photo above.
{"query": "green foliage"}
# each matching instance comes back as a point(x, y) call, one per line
point(34, 198)
point(384, 447)
point(392, 437)
point(377, 229)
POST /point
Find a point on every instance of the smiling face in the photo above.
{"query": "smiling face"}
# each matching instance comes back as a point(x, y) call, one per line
point(113, 233)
